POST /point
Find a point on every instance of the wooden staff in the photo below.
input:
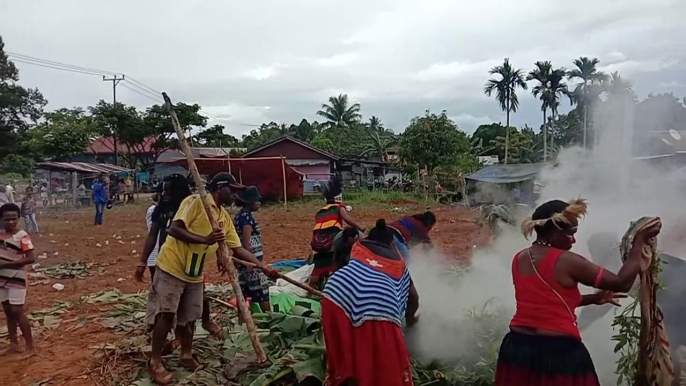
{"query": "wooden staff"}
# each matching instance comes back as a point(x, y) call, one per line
point(286, 278)
point(223, 252)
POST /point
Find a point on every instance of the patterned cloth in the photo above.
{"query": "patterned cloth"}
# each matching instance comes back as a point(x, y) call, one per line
point(28, 205)
point(654, 359)
point(411, 231)
point(13, 247)
point(328, 217)
point(371, 286)
point(152, 259)
point(254, 283)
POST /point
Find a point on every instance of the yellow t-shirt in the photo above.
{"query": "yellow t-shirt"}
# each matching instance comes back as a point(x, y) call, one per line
point(187, 261)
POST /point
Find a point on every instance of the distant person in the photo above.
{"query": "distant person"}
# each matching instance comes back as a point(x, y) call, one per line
point(604, 250)
point(177, 288)
point(364, 308)
point(329, 221)
point(544, 347)
point(16, 252)
point(81, 190)
point(28, 211)
point(9, 190)
point(412, 230)
point(44, 194)
point(99, 194)
point(254, 283)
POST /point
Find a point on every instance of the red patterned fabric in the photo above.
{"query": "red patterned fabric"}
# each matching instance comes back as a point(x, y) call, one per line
point(374, 354)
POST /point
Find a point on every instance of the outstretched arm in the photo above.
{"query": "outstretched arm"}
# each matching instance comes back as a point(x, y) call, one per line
point(351, 221)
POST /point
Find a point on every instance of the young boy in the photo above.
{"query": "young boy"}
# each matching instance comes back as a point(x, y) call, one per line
point(28, 211)
point(16, 252)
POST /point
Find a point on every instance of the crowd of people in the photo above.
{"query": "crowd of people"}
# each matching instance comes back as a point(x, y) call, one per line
point(368, 293)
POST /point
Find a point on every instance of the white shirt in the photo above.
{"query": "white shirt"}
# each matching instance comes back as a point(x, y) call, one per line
point(9, 190)
point(152, 259)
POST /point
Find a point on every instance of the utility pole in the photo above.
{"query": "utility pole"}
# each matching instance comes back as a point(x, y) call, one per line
point(115, 81)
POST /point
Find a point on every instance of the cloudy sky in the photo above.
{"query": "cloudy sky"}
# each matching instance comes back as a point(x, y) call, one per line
point(249, 62)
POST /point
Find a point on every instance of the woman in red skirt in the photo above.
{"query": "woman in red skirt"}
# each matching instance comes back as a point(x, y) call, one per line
point(543, 347)
point(363, 309)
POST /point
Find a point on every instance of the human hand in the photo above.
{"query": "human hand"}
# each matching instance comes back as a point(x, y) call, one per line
point(140, 272)
point(216, 236)
point(605, 297)
point(222, 264)
point(411, 320)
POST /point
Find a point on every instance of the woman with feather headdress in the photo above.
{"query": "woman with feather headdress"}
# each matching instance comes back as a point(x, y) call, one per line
point(329, 222)
point(543, 347)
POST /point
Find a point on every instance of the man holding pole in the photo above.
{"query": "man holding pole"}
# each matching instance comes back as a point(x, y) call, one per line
point(177, 288)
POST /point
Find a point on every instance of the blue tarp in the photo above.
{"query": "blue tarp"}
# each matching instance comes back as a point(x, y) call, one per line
point(289, 264)
point(506, 174)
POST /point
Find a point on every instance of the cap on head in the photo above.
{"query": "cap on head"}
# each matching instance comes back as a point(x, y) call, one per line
point(224, 179)
point(250, 195)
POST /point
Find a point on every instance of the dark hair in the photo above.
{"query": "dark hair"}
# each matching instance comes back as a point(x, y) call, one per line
point(548, 210)
point(179, 187)
point(10, 207)
point(427, 218)
point(381, 233)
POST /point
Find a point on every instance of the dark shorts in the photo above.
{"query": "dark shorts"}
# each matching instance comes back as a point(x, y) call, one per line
point(254, 285)
point(169, 294)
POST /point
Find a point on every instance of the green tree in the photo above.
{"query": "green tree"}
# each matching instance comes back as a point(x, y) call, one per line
point(541, 75)
point(520, 145)
point(378, 144)
point(266, 133)
point(483, 137)
point(17, 164)
point(586, 70)
point(123, 124)
point(306, 131)
point(568, 129)
point(434, 140)
point(338, 113)
point(19, 107)
point(505, 86)
point(557, 88)
point(215, 137)
point(64, 133)
point(321, 142)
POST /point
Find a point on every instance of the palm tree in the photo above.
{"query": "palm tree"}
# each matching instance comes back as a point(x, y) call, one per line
point(375, 124)
point(541, 74)
point(620, 95)
point(505, 92)
point(588, 73)
point(338, 114)
point(557, 88)
point(379, 143)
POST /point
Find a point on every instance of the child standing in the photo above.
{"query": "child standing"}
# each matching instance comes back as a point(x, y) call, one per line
point(28, 211)
point(16, 252)
point(254, 283)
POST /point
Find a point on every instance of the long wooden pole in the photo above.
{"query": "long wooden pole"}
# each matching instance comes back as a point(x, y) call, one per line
point(223, 252)
point(286, 278)
point(285, 186)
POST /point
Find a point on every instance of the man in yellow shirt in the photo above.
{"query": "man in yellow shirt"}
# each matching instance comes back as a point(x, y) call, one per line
point(177, 288)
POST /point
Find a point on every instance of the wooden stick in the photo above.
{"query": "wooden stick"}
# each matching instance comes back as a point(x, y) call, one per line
point(223, 251)
point(286, 278)
point(285, 186)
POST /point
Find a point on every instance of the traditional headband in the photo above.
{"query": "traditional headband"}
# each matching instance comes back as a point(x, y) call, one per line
point(575, 210)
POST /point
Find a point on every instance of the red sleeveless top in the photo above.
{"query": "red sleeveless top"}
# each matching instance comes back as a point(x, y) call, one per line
point(537, 304)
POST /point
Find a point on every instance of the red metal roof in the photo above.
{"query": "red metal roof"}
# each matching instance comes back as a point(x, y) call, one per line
point(81, 167)
point(295, 141)
point(105, 145)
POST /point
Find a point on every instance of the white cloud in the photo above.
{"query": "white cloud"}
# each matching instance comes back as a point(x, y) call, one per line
point(453, 70)
point(337, 60)
point(468, 123)
point(261, 73)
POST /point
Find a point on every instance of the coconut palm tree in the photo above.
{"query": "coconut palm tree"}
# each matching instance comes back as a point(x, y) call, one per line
point(338, 114)
point(586, 70)
point(379, 143)
point(541, 74)
point(557, 88)
point(375, 124)
point(505, 92)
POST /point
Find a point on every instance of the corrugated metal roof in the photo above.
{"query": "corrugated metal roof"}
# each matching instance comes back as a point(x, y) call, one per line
point(81, 167)
point(505, 174)
point(294, 140)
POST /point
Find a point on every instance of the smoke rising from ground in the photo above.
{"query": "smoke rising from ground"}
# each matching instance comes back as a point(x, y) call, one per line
point(618, 188)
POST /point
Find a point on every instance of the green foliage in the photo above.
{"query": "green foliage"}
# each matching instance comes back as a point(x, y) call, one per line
point(17, 164)
point(321, 142)
point(215, 137)
point(338, 113)
point(434, 140)
point(483, 137)
point(63, 134)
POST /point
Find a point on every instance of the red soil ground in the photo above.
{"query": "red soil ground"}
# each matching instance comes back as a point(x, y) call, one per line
point(64, 355)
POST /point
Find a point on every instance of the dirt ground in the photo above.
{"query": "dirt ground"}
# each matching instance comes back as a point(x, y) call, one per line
point(64, 353)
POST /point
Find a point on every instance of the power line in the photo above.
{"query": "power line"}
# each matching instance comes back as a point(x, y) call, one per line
point(50, 62)
point(58, 68)
point(140, 93)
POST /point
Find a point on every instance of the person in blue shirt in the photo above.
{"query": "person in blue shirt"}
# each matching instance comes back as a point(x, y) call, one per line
point(99, 198)
point(254, 283)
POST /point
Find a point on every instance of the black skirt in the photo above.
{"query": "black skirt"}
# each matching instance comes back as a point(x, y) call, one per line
point(536, 360)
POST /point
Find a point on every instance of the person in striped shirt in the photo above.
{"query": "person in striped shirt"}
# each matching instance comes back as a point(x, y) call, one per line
point(16, 252)
point(364, 306)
